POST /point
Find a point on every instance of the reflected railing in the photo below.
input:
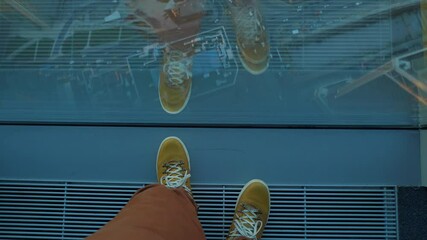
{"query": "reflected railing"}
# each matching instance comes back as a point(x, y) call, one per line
point(408, 71)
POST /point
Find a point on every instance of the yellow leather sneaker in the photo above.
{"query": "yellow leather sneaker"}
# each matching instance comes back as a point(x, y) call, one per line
point(173, 164)
point(175, 81)
point(251, 35)
point(252, 210)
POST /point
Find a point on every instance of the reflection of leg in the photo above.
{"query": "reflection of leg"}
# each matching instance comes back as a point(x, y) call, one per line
point(154, 212)
point(170, 23)
point(252, 211)
point(173, 20)
point(175, 80)
point(176, 75)
point(251, 35)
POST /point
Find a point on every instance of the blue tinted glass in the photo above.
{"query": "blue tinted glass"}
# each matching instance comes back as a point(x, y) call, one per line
point(288, 62)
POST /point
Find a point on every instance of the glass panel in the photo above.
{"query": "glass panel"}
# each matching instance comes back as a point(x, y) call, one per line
point(286, 62)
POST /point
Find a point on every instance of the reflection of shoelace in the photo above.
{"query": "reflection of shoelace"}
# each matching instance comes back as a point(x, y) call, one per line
point(248, 225)
point(248, 21)
point(175, 176)
point(177, 68)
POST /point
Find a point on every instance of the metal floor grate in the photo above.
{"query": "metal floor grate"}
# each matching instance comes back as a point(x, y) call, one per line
point(73, 210)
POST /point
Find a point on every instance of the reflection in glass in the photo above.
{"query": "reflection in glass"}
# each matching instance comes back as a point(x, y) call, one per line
point(316, 62)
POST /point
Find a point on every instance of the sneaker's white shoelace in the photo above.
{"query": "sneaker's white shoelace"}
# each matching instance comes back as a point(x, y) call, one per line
point(175, 176)
point(177, 68)
point(247, 225)
point(248, 21)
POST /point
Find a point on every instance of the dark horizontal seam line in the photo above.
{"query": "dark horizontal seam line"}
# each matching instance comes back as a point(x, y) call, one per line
point(213, 125)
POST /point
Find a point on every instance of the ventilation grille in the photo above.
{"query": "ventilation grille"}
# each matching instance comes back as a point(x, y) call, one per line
point(304, 35)
point(73, 210)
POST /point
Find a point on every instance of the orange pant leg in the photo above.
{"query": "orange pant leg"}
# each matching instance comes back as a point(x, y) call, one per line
point(154, 213)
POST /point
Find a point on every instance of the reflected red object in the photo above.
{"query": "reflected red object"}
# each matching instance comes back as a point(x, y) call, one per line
point(170, 20)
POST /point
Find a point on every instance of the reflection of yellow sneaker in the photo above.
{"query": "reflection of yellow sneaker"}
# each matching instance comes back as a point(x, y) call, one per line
point(252, 210)
point(251, 35)
point(175, 81)
point(173, 164)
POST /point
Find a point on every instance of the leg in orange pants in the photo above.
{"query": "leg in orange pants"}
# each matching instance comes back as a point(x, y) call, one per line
point(155, 213)
point(167, 211)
